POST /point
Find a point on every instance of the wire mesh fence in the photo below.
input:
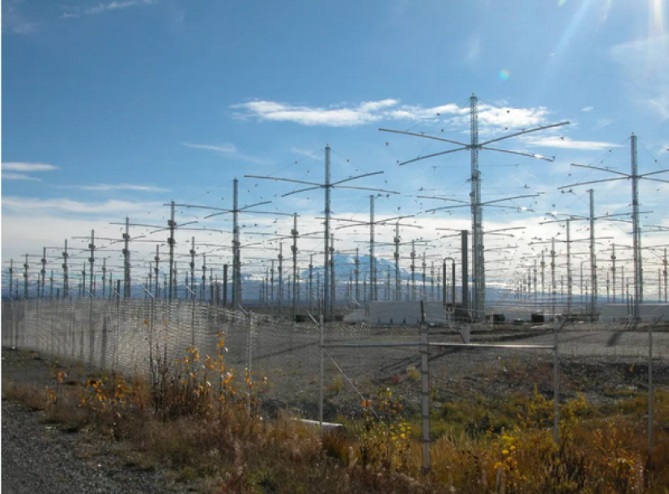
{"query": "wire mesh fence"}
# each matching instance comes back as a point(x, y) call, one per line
point(347, 366)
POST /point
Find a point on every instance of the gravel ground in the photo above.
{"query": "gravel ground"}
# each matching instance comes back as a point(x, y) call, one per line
point(38, 457)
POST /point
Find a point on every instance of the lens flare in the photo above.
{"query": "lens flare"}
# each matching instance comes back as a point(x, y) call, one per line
point(504, 75)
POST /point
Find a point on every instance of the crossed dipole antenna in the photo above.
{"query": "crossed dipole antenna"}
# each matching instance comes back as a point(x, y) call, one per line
point(373, 281)
point(474, 146)
point(634, 177)
point(327, 186)
point(236, 246)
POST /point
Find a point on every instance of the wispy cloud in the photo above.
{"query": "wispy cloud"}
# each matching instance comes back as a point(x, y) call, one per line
point(222, 148)
point(22, 171)
point(229, 150)
point(14, 21)
point(510, 117)
point(564, 142)
point(28, 167)
point(387, 109)
point(473, 49)
point(120, 187)
point(103, 8)
point(341, 116)
point(34, 205)
point(19, 176)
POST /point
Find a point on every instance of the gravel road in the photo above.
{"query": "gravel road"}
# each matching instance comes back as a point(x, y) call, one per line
point(38, 457)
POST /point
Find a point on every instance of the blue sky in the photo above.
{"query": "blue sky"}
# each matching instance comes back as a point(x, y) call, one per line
point(115, 108)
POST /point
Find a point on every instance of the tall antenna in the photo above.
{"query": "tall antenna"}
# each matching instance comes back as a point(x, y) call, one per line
point(236, 246)
point(474, 146)
point(327, 185)
point(293, 248)
point(636, 224)
point(373, 276)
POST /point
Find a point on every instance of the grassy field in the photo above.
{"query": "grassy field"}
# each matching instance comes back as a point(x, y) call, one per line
point(208, 424)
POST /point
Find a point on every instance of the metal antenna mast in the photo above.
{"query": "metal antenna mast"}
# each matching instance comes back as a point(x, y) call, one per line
point(328, 298)
point(126, 260)
point(236, 250)
point(11, 277)
point(636, 224)
point(474, 146)
point(373, 275)
point(293, 248)
point(25, 278)
point(396, 254)
point(66, 275)
point(170, 241)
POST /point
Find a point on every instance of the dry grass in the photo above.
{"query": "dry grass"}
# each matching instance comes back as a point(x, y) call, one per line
point(202, 420)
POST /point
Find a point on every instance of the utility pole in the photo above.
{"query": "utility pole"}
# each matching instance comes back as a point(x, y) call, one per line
point(474, 146)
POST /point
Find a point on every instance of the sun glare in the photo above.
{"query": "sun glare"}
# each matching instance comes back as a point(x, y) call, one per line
point(656, 17)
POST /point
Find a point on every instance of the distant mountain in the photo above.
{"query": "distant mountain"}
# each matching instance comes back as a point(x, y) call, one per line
point(344, 267)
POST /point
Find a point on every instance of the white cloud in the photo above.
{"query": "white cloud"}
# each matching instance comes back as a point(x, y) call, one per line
point(311, 116)
point(223, 148)
point(103, 8)
point(49, 207)
point(19, 176)
point(564, 142)
point(228, 149)
point(511, 117)
point(27, 167)
point(387, 109)
point(130, 187)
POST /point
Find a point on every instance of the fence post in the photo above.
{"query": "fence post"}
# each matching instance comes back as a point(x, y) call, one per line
point(557, 325)
point(651, 393)
point(425, 388)
point(322, 383)
point(249, 360)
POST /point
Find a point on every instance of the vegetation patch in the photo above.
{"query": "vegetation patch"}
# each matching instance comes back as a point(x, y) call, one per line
point(204, 420)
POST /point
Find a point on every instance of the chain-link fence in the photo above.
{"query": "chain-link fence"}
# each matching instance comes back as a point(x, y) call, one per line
point(125, 335)
point(348, 365)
